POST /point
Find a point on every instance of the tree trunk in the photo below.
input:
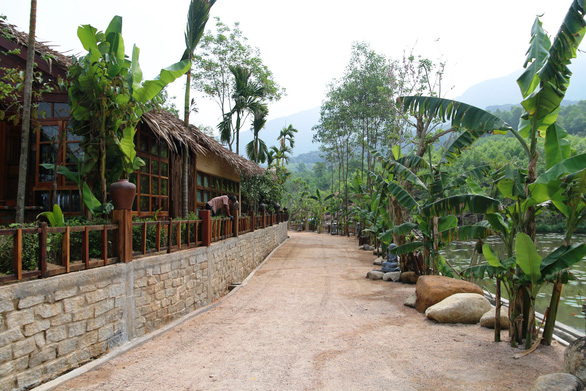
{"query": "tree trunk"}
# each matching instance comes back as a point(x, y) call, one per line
point(26, 115)
point(552, 313)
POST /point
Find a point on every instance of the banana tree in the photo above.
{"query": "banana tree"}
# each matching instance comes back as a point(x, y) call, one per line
point(435, 215)
point(320, 207)
point(108, 97)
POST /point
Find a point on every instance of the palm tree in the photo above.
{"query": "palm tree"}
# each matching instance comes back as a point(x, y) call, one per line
point(197, 17)
point(256, 150)
point(26, 114)
point(287, 136)
point(247, 99)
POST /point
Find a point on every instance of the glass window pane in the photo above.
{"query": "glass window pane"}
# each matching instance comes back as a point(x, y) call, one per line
point(132, 178)
point(165, 204)
point(63, 200)
point(144, 143)
point(75, 201)
point(144, 184)
point(44, 110)
point(199, 179)
point(206, 196)
point(145, 168)
point(144, 204)
point(154, 167)
point(155, 203)
point(199, 196)
point(164, 187)
point(164, 152)
point(164, 169)
point(61, 110)
point(43, 198)
point(154, 147)
point(47, 155)
point(50, 133)
point(205, 181)
point(154, 185)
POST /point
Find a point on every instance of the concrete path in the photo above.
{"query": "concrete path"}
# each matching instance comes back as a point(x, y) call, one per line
point(308, 319)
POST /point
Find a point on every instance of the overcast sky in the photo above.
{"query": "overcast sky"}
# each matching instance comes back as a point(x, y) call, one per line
point(307, 43)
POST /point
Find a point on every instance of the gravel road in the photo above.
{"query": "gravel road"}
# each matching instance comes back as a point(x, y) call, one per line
point(308, 319)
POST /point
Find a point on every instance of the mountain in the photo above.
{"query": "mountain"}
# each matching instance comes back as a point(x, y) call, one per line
point(504, 90)
point(495, 93)
point(302, 121)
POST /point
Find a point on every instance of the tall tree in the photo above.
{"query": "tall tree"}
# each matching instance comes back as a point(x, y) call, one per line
point(26, 115)
point(197, 17)
point(257, 150)
point(246, 98)
point(222, 50)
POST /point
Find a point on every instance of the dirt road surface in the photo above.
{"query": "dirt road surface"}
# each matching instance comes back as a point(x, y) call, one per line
point(308, 319)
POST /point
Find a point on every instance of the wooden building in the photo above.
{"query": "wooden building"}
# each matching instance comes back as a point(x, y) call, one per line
point(160, 142)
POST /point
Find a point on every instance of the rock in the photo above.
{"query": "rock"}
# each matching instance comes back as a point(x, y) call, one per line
point(409, 277)
point(410, 302)
point(392, 276)
point(375, 275)
point(459, 308)
point(575, 359)
point(367, 247)
point(488, 319)
point(433, 289)
point(558, 382)
point(378, 262)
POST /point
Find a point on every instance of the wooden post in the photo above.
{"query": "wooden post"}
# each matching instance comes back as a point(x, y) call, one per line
point(122, 241)
point(105, 245)
point(170, 236)
point(85, 250)
point(65, 246)
point(252, 221)
point(206, 227)
point(158, 236)
point(43, 249)
point(263, 218)
point(236, 223)
point(17, 254)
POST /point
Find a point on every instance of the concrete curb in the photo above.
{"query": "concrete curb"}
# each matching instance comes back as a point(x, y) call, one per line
point(95, 364)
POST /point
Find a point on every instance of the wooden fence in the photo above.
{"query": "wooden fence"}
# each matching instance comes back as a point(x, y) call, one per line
point(121, 241)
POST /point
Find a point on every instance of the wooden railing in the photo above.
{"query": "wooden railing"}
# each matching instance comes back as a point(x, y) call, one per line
point(121, 241)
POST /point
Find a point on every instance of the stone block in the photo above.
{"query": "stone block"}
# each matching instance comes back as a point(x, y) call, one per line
point(37, 358)
point(19, 318)
point(56, 334)
point(73, 304)
point(103, 307)
point(40, 340)
point(67, 346)
point(431, 290)
point(105, 333)
point(24, 347)
point(29, 378)
point(65, 293)
point(5, 354)
point(49, 310)
point(84, 313)
point(96, 323)
point(76, 329)
point(61, 319)
point(9, 336)
point(96, 296)
point(88, 339)
point(36, 327)
point(30, 301)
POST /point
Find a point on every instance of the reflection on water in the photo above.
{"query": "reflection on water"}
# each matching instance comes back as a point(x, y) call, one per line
point(573, 294)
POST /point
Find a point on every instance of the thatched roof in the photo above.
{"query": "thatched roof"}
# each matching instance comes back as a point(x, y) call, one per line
point(173, 131)
point(43, 49)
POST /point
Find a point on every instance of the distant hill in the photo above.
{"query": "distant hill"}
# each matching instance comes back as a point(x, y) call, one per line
point(302, 121)
point(504, 90)
point(491, 94)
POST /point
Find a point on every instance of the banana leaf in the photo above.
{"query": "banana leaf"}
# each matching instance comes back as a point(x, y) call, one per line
point(458, 204)
point(402, 196)
point(527, 258)
point(460, 114)
point(406, 248)
point(562, 258)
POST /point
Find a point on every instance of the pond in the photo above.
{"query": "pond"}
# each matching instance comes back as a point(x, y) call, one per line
point(573, 295)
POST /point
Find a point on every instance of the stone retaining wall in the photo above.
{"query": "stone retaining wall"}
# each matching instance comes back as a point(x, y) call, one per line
point(50, 326)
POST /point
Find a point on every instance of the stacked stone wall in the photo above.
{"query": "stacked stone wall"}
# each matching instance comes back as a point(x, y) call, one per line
point(51, 326)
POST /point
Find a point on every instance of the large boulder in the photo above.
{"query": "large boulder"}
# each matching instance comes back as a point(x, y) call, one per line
point(557, 382)
point(431, 290)
point(459, 308)
point(409, 277)
point(488, 319)
point(575, 359)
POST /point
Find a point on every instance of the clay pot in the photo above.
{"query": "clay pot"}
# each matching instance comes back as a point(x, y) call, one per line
point(122, 193)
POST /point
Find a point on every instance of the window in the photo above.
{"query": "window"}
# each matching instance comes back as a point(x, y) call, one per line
point(209, 186)
point(152, 180)
point(55, 144)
